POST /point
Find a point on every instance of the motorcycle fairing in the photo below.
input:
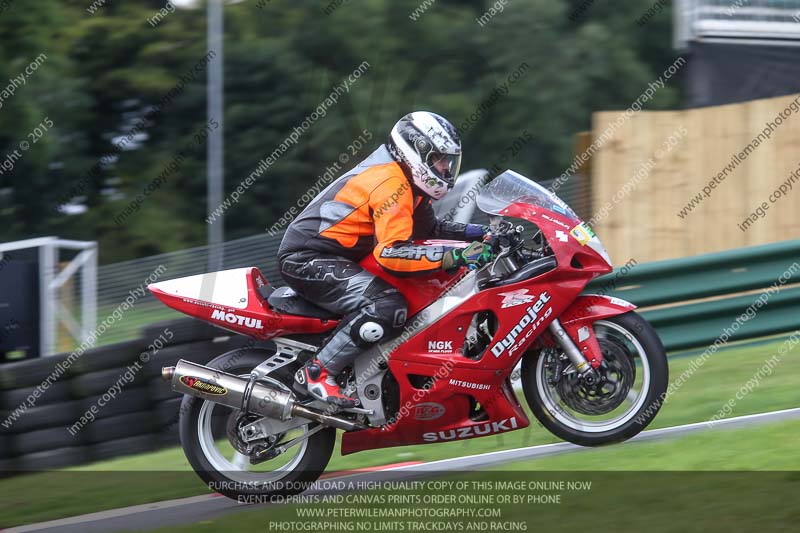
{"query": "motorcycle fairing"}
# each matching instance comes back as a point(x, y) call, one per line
point(433, 410)
point(483, 381)
point(523, 311)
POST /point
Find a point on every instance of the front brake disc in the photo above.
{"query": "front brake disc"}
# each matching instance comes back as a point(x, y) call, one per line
point(617, 376)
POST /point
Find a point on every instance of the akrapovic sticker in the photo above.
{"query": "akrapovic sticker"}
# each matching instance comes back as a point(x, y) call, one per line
point(203, 386)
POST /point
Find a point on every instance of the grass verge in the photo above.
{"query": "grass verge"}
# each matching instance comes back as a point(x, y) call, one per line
point(679, 484)
point(166, 474)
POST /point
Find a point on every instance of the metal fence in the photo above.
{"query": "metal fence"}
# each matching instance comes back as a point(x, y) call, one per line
point(117, 281)
point(755, 21)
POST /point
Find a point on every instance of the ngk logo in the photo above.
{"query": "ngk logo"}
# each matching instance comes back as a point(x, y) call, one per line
point(232, 318)
point(440, 346)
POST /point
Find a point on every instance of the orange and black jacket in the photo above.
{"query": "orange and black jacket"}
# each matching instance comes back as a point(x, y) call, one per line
point(373, 208)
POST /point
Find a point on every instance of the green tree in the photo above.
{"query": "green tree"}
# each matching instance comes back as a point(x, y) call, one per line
point(107, 74)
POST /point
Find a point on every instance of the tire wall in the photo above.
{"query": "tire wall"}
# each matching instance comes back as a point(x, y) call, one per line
point(107, 402)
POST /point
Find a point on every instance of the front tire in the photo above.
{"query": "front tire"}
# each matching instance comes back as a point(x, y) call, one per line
point(633, 355)
point(201, 429)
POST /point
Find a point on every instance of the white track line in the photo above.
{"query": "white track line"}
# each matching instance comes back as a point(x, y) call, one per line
point(543, 449)
point(115, 513)
point(469, 461)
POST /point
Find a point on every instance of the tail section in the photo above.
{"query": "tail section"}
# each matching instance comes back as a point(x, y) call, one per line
point(232, 300)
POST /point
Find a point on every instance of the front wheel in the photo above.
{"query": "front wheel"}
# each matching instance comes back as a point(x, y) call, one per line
point(210, 438)
point(634, 377)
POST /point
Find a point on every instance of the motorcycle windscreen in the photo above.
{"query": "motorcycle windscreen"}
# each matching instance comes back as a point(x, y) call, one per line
point(511, 187)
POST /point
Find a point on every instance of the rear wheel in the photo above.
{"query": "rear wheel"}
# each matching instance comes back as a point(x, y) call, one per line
point(213, 445)
point(632, 385)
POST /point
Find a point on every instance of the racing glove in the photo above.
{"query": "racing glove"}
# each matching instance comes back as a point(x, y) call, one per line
point(473, 256)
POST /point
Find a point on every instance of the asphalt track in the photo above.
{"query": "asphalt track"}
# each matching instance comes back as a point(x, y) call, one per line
point(206, 507)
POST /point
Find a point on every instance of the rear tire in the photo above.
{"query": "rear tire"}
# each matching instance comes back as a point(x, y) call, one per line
point(560, 421)
point(315, 455)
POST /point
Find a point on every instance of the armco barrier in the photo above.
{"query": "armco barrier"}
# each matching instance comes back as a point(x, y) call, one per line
point(141, 417)
point(749, 292)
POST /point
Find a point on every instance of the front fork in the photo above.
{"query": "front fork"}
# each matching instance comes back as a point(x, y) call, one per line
point(587, 344)
point(576, 335)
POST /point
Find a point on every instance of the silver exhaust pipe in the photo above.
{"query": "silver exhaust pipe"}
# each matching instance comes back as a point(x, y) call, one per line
point(244, 394)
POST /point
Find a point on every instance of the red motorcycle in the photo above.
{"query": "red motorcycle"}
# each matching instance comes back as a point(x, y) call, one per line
point(593, 371)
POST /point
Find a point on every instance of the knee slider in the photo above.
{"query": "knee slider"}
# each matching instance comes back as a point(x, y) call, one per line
point(384, 317)
point(367, 331)
point(371, 331)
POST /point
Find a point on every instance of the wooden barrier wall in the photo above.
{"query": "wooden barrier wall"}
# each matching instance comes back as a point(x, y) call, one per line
point(641, 180)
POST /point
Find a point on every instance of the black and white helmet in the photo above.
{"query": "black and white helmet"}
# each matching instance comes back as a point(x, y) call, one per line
point(429, 146)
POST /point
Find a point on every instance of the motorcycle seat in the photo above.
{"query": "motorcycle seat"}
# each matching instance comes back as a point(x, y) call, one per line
point(287, 301)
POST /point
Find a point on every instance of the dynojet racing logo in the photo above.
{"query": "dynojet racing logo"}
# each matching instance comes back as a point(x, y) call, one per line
point(203, 386)
point(534, 316)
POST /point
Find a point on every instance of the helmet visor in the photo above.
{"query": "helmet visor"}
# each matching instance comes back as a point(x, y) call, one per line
point(444, 166)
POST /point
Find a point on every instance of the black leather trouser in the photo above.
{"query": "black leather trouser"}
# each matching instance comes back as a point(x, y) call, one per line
point(372, 309)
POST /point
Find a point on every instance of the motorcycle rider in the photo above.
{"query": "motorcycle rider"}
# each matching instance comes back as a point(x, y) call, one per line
point(378, 207)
